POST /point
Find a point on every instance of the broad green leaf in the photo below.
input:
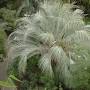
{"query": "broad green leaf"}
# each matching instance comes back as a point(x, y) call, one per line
point(13, 77)
point(6, 84)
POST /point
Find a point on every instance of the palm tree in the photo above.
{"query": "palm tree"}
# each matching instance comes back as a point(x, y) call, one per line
point(53, 33)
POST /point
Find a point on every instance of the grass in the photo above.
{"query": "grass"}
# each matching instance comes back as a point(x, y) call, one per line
point(87, 20)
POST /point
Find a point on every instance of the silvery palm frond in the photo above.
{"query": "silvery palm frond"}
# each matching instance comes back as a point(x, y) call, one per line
point(51, 32)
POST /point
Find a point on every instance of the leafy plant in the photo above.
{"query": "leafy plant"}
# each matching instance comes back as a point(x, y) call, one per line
point(9, 82)
point(53, 32)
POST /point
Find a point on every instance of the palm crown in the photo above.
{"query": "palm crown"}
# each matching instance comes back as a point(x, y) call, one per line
point(52, 33)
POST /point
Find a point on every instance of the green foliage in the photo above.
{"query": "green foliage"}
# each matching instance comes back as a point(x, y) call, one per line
point(9, 82)
point(8, 20)
point(24, 85)
point(85, 5)
point(3, 3)
point(3, 37)
point(13, 68)
point(80, 70)
point(8, 16)
point(87, 20)
point(14, 78)
point(33, 77)
point(81, 77)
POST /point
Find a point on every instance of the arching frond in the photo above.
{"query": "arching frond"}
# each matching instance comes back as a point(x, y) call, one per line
point(22, 64)
point(79, 37)
point(61, 64)
point(59, 57)
point(45, 64)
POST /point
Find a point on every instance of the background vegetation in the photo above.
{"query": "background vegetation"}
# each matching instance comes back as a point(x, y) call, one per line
point(10, 12)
